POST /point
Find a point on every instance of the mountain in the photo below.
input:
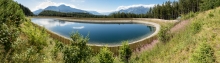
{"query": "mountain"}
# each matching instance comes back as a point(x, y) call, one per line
point(38, 11)
point(106, 13)
point(135, 10)
point(66, 9)
point(95, 13)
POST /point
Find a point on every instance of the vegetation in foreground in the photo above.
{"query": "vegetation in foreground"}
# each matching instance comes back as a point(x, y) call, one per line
point(20, 41)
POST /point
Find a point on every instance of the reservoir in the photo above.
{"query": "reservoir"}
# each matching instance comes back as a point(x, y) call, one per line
point(99, 33)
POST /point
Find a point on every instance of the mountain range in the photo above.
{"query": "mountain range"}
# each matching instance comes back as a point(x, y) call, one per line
point(135, 10)
point(66, 9)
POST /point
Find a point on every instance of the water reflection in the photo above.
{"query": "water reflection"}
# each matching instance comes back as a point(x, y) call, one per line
point(99, 33)
point(50, 23)
point(80, 27)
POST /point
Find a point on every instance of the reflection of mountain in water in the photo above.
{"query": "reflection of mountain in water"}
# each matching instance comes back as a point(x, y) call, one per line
point(62, 22)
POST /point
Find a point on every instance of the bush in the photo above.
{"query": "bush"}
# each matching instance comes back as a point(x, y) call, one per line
point(78, 51)
point(125, 52)
point(11, 13)
point(211, 15)
point(196, 27)
point(36, 37)
point(203, 54)
point(59, 46)
point(163, 34)
point(189, 15)
point(8, 35)
point(105, 56)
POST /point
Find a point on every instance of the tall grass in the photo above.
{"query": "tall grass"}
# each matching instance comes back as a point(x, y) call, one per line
point(203, 27)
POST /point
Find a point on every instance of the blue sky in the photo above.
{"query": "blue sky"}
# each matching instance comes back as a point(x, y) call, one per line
point(94, 5)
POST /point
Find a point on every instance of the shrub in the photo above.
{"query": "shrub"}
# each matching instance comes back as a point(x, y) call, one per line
point(196, 26)
point(189, 15)
point(37, 37)
point(105, 56)
point(78, 51)
point(125, 52)
point(203, 54)
point(59, 46)
point(8, 35)
point(211, 15)
point(163, 34)
point(11, 13)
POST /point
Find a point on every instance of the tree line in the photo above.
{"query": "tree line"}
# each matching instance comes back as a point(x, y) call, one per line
point(172, 10)
point(69, 14)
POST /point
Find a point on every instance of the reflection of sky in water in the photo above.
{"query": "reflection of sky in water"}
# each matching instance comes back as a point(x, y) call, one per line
point(48, 23)
point(80, 27)
point(98, 33)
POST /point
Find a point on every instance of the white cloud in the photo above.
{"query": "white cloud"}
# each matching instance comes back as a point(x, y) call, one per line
point(130, 6)
point(47, 3)
point(78, 0)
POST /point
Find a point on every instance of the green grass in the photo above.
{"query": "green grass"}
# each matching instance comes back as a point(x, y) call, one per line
point(204, 27)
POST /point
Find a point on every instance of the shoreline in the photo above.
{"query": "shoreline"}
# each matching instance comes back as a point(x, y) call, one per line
point(134, 45)
point(157, 27)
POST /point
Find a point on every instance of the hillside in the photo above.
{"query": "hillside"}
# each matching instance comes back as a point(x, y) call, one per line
point(65, 9)
point(196, 43)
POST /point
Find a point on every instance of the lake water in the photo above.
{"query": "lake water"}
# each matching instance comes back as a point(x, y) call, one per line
point(108, 33)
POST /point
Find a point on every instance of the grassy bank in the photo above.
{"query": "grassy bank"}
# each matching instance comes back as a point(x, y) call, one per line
point(198, 42)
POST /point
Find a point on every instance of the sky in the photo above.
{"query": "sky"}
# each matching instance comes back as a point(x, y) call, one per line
point(90, 5)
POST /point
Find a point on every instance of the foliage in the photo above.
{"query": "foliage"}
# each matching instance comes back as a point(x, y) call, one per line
point(196, 27)
point(26, 53)
point(32, 45)
point(10, 19)
point(209, 4)
point(164, 34)
point(183, 45)
point(10, 13)
point(8, 36)
point(189, 15)
point(125, 52)
point(36, 37)
point(203, 54)
point(105, 55)
point(59, 46)
point(78, 50)
point(126, 15)
point(172, 10)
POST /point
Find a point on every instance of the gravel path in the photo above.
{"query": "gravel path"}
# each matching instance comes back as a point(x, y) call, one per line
point(179, 26)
